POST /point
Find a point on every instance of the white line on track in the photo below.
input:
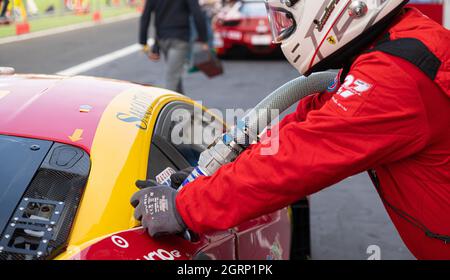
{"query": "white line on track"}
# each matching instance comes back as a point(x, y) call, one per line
point(96, 62)
point(63, 29)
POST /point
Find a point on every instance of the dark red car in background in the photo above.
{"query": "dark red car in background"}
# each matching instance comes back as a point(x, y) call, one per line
point(243, 26)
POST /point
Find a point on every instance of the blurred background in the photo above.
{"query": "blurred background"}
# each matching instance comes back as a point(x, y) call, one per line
point(99, 38)
point(23, 16)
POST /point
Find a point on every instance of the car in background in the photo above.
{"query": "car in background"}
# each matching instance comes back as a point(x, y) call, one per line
point(71, 150)
point(243, 26)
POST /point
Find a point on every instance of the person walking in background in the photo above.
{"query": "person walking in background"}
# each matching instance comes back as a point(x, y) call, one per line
point(4, 6)
point(172, 35)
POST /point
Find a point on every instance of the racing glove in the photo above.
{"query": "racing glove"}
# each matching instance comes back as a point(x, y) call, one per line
point(155, 208)
point(178, 178)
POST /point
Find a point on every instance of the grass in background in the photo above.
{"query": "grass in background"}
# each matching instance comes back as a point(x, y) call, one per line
point(57, 18)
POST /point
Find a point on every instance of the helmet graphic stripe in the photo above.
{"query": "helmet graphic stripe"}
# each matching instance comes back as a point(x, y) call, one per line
point(328, 32)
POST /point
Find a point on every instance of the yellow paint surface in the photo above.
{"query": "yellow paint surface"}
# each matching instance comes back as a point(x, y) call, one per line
point(119, 157)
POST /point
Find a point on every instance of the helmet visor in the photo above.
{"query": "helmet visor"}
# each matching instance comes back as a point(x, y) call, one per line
point(282, 22)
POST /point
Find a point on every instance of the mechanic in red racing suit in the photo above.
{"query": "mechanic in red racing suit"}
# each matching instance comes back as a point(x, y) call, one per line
point(387, 112)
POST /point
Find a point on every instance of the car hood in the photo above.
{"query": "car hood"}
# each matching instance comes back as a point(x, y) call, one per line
point(56, 108)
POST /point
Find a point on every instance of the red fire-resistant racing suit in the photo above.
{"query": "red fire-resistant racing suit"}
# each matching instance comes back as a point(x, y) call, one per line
point(387, 116)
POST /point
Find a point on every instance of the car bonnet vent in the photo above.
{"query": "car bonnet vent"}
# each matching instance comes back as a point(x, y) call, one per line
point(42, 221)
point(231, 23)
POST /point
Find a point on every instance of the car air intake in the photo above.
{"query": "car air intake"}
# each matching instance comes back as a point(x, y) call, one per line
point(40, 224)
point(231, 23)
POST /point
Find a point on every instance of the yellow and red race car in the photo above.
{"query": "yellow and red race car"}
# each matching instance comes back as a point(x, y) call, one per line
point(71, 149)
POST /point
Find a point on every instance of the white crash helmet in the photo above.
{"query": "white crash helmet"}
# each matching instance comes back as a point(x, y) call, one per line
point(310, 31)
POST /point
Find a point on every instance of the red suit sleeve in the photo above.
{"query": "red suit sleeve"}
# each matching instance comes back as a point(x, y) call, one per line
point(306, 105)
point(375, 117)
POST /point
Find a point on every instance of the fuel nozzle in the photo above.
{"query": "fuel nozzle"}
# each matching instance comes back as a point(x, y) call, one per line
point(224, 150)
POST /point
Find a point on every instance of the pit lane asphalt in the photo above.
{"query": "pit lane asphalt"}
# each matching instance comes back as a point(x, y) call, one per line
point(345, 219)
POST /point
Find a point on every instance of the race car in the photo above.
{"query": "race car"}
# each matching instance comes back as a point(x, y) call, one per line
point(243, 27)
point(71, 150)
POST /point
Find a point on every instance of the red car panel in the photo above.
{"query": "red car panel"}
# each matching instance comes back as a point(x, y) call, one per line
point(267, 237)
point(136, 244)
point(48, 108)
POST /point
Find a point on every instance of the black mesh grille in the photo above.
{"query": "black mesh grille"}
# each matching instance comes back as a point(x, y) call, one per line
point(48, 206)
point(231, 23)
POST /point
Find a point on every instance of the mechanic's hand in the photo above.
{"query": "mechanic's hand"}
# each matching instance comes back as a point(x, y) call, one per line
point(152, 53)
point(153, 56)
point(145, 49)
point(155, 208)
point(178, 178)
point(204, 46)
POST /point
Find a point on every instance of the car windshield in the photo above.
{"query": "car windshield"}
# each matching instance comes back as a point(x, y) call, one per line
point(253, 9)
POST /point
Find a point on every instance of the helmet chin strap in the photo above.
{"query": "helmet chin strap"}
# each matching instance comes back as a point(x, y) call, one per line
point(343, 57)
